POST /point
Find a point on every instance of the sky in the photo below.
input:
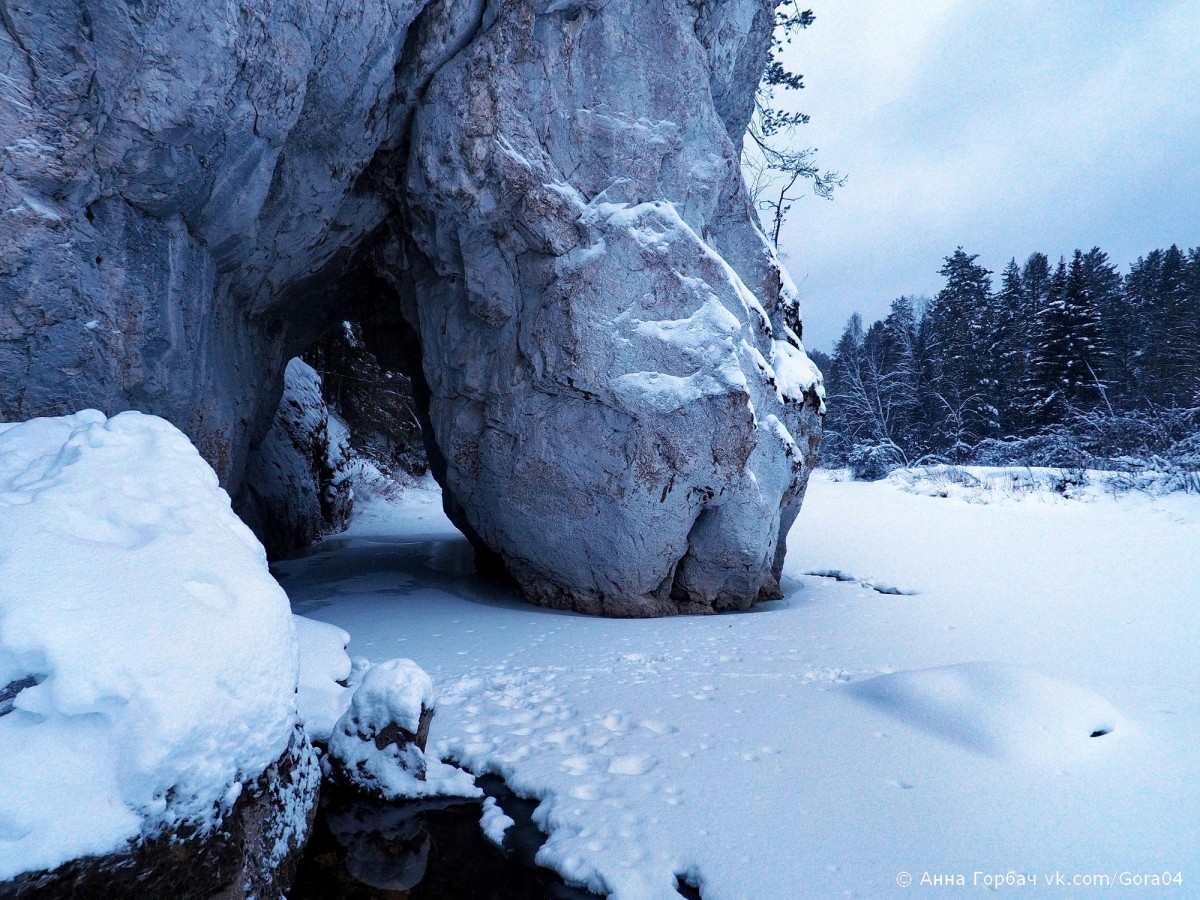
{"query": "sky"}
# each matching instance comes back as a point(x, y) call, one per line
point(1005, 128)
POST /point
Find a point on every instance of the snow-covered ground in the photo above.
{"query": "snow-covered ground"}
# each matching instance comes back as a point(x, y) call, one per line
point(842, 740)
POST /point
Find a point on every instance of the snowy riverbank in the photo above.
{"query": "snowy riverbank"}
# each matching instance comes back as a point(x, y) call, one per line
point(753, 754)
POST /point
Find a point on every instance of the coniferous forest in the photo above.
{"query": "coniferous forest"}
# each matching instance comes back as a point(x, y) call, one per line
point(1063, 363)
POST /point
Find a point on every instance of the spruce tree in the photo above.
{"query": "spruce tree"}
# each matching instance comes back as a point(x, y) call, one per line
point(1071, 356)
point(1036, 276)
point(1141, 303)
point(952, 333)
point(1173, 349)
point(1106, 304)
point(1008, 351)
point(1050, 352)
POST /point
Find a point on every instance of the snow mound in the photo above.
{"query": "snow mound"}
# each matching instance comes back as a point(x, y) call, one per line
point(325, 668)
point(147, 654)
point(997, 710)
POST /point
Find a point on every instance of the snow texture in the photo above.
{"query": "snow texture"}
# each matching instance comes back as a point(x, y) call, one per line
point(825, 743)
point(158, 651)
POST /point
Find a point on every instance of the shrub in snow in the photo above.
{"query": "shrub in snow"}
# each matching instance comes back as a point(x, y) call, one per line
point(871, 462)
point(378, 745)
point(1055, 448)
point(834, 449)
point(147, 656)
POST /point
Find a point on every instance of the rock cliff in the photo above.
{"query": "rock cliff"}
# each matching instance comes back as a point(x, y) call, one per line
point(535, 207)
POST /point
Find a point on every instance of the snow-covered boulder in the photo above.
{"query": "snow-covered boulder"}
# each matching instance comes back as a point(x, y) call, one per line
point(378, 746)
point(298, 484)
point(148, 670)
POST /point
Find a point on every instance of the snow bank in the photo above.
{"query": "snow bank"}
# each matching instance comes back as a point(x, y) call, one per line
point(736, 752)
point(162, 650)
point(325, 668)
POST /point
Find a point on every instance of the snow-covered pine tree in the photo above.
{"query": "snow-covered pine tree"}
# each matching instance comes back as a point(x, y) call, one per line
point(1141, 300)
point(1071, 356)
point(1192, 355)
point(1171, 368)
point(1036, 275)
point(1106, 301)
point(903, 369)
point(843, 421)
point(1051, 350)
point(952, 335)
point(1008, 351)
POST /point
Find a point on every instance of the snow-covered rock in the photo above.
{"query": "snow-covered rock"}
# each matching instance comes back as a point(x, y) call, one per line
point(619, 398)
point(147, 661)
point(378, 745)
point(298, 484)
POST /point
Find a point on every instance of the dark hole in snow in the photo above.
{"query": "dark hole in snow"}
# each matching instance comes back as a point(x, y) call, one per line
point(687, 888)
point(426, 849)
point(9, 692)
point(1100, 732)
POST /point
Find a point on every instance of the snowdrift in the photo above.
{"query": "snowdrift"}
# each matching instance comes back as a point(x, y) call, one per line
point(147, 657)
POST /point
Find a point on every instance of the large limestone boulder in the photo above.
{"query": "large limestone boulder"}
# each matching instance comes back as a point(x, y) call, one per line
point(618, 393)
point(535, 206)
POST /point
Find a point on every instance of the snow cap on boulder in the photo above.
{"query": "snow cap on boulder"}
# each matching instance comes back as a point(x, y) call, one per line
point(147, 656)
point(378, 745)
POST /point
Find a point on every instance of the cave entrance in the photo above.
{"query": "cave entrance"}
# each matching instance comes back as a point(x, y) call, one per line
point(373, 383)
point(375, 399)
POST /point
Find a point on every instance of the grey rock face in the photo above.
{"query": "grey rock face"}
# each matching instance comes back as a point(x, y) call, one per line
point(178, 186)
point(623, 411)
point(298, 482)
point(610, 378)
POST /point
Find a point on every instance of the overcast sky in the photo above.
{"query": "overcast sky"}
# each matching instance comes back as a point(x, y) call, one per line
point(1004, 127)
